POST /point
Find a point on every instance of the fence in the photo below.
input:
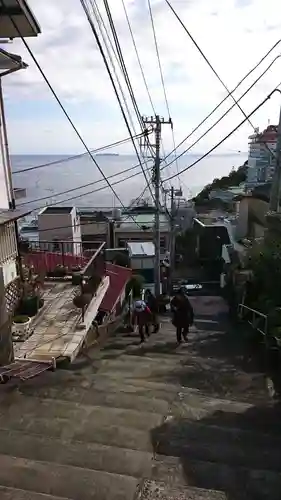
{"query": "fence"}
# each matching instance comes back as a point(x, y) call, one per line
point(47, 255)
point(13, 295)
point(256, 319)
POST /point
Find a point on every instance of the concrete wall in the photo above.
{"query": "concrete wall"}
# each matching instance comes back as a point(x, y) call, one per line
point(54, 227)
point(252, 217)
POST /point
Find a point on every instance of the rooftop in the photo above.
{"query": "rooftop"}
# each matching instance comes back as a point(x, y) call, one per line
point(7, 216)
point(141, 248)
point(118, 278)
point(57, 210)
point(17, 19)
point(141, 221)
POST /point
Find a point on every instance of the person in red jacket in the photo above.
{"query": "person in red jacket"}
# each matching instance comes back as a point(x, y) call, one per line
point(141, 317)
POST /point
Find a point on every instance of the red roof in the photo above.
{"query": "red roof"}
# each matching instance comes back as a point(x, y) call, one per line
point(119, 276)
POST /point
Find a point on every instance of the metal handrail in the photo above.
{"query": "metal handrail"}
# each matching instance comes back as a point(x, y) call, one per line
point(255, 314)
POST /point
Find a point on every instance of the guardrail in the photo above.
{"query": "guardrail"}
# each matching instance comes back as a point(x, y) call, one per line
point(254, 318)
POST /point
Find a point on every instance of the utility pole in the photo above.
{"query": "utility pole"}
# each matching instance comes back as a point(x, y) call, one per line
point(276, 181)
point(157, 123)
point(174, 193)
point(172, 237)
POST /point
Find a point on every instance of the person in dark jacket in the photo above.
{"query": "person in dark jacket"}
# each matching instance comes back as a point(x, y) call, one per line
point(183, 314)
point(152, 303)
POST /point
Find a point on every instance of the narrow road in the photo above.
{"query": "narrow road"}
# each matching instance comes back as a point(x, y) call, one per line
point(151, 422)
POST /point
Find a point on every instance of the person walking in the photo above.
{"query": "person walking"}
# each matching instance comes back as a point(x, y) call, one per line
point(141, 317)
point(182, 314)
point(152, 304)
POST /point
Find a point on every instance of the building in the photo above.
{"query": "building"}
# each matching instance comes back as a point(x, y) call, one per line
point(140, 227)
point(95, 226)
point(261, 159)
point(60, 224)
point(184, 214)
point(142, 257)
point(16, 20)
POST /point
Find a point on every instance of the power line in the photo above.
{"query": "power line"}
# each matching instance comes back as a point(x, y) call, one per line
point(140, 64)
point(74, 157)
point(113, 83)
point(228, 135)
point(62, 107)
point(138, 57)
point(88, 192)
point(105, 37)
point(226, 112)
point(226, 97)
point(161, 75)
point(125, 73)
point(86, 223)
point(216, 73)
point(86, 185)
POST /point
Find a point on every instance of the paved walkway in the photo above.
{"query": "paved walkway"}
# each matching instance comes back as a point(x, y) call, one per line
point(57, 329)
point(145, 423)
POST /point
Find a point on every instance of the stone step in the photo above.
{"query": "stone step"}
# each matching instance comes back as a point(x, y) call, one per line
point(87, 432)
point(16, 494)
point(181, 471)
point(212, 443)
point(23, 409)
point(95, 402)
point(235, 480)
point(172, 438)
point(64, 385)
point(78, 454)
point(152, 490)
point(65, 481)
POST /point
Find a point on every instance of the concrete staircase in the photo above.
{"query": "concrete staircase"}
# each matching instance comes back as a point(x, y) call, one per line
point(144, 422)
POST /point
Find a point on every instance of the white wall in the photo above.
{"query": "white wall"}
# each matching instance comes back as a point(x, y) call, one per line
point(9, 270)
point(4, 185)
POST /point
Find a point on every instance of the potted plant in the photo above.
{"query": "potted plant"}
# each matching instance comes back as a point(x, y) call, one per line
point(21, 324)
point(76, 278)
point(82, 300)
point(60, 271)
point(31, 300)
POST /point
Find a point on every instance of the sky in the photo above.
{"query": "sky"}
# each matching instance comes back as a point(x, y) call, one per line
point(233, 34)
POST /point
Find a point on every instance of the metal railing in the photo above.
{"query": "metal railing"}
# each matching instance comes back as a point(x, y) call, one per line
point(48, 255)
point(254, 318)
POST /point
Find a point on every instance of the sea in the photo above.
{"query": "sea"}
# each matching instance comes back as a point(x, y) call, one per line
point(87, 188)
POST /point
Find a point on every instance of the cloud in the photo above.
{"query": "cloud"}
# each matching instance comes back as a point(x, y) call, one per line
point(68, 54)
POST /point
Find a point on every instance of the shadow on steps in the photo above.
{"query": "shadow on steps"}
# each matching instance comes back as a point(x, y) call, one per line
point(237, 453)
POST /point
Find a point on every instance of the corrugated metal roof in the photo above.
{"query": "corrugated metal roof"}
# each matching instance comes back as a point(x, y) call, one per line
point(141, 248)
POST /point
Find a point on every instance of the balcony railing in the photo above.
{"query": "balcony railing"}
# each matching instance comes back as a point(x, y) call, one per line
point(46, 256)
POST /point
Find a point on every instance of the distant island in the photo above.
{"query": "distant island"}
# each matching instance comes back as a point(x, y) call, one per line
point(107, 154)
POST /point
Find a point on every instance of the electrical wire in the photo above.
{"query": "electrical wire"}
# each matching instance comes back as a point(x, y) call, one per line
point(87, 193)
point(216, 74)
point(62, 106)
point(162, 75)
point(86, 185)
point(84, 6)
point(226, 112)
point(138, 57)
point(228, 135)
point(227, 96)
point(75, 157)
point(106, 38)
point(140, 65)
point(127, 79)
